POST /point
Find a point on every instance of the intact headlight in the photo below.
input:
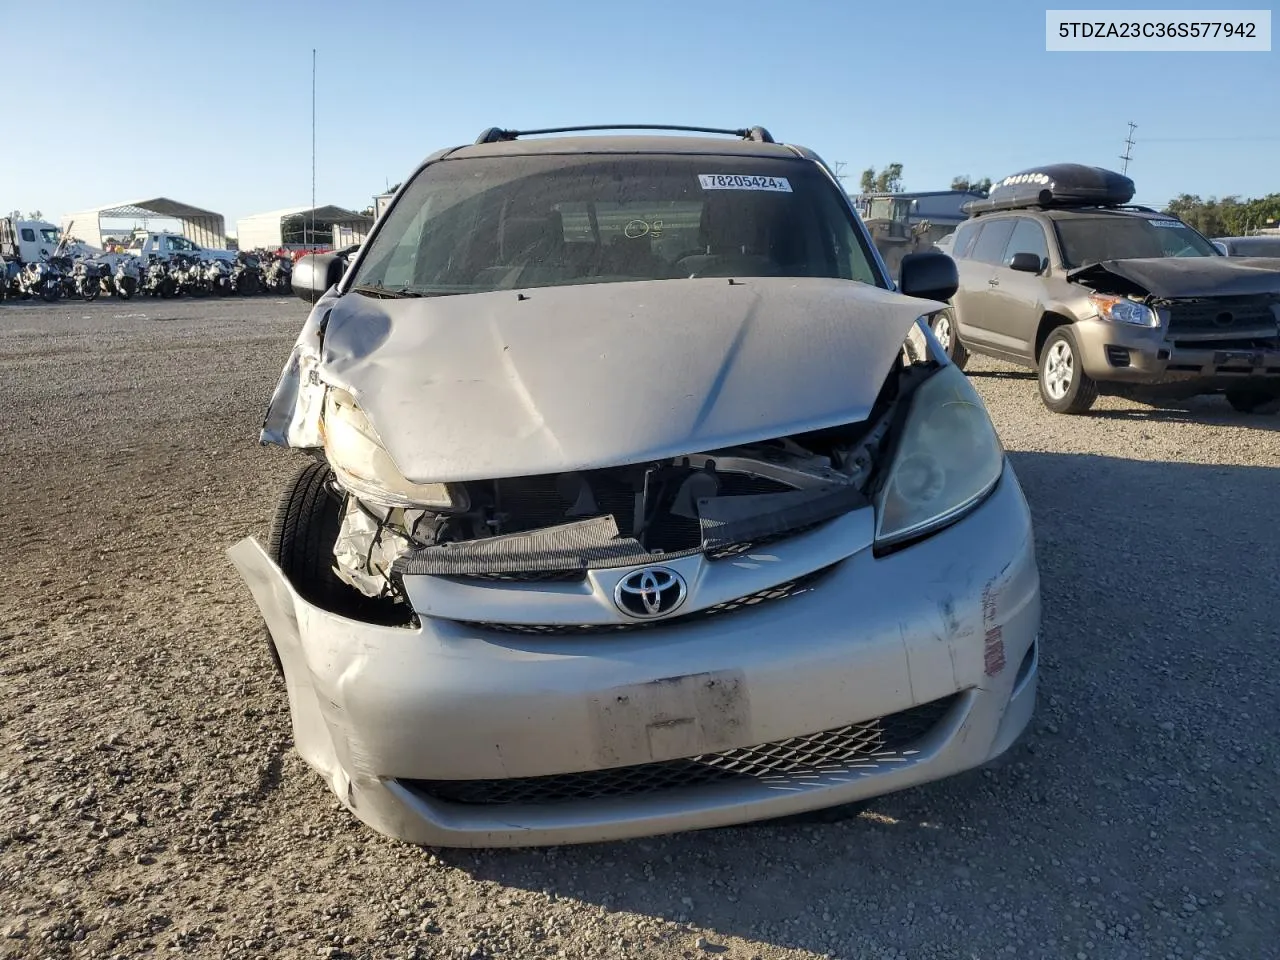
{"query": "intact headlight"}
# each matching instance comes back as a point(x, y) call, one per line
point(362, 465)
point(947, 460)
point(1124, 310)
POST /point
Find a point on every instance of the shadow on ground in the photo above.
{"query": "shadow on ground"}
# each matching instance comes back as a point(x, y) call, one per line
point(1146, 633)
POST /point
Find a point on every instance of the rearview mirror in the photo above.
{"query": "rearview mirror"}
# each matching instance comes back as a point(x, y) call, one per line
point(315, 273)
point(929, 275)
point(1026, 263)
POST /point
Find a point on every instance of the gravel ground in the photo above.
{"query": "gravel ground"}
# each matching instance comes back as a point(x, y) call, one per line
point(150, 802)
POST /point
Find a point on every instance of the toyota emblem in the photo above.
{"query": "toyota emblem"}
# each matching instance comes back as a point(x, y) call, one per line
point(650, 592)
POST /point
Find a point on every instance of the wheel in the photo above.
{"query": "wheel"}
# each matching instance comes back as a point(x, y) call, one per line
point(90, 289)
point(50, 292)
point(303, 533)
point(943, 325)
point(168, 288)
point(1064, 386)
point(1254, 400)
point(125, 288)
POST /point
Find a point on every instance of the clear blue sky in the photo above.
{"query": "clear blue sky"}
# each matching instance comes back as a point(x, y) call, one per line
point(210, 103)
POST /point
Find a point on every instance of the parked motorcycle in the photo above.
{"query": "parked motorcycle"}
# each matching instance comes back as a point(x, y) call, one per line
point(278, 276)
point(87, 276)
point(246, 275)
point(217, 274)
point(9, 270)
point(41, 279)
point(126, 279)
point(188, 277)
point(157, 282)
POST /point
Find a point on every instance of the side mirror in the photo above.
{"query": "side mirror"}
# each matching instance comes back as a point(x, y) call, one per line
point(1026, 263)
point(930, 276)
point(315, 273)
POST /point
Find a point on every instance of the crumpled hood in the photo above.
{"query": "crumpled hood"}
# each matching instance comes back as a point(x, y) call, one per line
point(1178, 277)
point(552, 379)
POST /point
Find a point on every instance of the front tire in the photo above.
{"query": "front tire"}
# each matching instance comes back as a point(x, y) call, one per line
point(943, 326)
point(1253, 400)
point(303, 534)
point(1064, 386)
point(90, 290)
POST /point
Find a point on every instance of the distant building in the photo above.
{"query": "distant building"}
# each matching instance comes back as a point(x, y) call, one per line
point(292, 228)
point(381, 202)
point(940, 207)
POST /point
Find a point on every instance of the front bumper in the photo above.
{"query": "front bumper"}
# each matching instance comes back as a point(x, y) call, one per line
point(1119, 353)
point(954, 616)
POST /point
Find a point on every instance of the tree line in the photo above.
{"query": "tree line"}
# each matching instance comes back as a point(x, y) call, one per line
point(889, 180)
point(1227, 217)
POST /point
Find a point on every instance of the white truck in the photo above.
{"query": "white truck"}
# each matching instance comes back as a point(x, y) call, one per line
point(165, 244)
point(28, 240)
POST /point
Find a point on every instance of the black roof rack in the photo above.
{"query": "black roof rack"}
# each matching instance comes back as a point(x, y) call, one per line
point(498, 135)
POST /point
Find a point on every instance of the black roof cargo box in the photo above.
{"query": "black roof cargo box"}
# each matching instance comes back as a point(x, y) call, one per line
point(1056, 185)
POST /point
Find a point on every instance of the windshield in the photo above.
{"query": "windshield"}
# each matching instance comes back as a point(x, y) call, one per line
point(1091, 239)
point(49, 234)
point(481, 224)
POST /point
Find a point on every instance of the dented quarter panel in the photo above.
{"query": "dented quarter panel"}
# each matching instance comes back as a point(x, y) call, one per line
point(449, 701)
point(555, 379)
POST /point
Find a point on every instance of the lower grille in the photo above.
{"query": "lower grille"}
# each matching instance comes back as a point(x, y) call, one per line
point(780, 592)
point(830, 751)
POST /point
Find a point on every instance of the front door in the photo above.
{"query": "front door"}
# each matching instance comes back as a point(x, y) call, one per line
point(1015, 305)
point(977, 264)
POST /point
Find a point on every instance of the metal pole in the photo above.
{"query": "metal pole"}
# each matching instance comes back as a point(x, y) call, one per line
point(313, 149)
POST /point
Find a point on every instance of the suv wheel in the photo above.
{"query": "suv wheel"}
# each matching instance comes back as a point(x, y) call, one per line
point(943, 325)
point(1064, 386)
point(1253, 400)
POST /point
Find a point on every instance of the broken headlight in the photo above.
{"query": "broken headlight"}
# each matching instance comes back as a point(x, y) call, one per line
point(947, 460)
point(364, 468)
point(1124, 310)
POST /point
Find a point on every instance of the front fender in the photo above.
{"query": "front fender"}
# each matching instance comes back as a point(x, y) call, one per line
point(293, 415)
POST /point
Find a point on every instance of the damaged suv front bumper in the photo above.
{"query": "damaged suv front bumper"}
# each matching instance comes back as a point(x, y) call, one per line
point(870, 675)
point(1113, 352)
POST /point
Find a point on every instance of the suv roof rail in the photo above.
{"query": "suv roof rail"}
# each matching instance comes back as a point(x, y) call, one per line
point(498, 135)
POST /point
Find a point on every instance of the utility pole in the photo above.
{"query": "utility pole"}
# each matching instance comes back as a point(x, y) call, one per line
point(1128, 148)
point(838, 169)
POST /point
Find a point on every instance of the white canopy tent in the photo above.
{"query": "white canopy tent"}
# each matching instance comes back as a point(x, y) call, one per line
point(204, 227)
point(292, 227)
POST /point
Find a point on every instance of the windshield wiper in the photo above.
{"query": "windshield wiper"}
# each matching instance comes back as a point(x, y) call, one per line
point(386, 293)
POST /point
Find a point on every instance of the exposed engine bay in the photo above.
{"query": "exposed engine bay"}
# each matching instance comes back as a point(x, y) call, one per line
point(719, 503)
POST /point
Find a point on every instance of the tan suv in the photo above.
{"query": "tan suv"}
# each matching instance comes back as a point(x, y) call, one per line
point(1058, 273)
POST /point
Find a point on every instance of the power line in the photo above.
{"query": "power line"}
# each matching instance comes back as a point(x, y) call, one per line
point(1128, 148)
point(1264, 139)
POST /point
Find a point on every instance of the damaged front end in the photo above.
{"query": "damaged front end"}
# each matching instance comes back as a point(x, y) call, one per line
point(838, 438)
point(556, 527)
point(1185, 324)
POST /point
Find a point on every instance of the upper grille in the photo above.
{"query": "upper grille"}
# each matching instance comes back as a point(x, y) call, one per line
point(781, 591)
point(530, 576)
point(830, 751)
point(1223, 316)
